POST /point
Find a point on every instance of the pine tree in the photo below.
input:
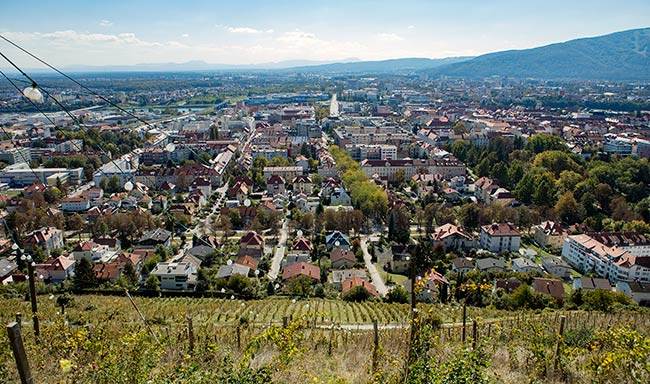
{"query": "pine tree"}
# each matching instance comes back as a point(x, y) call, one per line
point(84, 276)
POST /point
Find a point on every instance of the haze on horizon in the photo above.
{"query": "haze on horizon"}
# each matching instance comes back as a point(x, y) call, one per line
point(251, 32)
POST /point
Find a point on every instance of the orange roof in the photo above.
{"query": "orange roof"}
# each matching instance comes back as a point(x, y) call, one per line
point(301, 268)
point(356, 281)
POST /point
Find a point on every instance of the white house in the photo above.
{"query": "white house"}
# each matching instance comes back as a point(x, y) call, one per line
point(176, 276)
point(556, 266)
point(453, 237)
point(524, 265)
point(90, 251)
point(500, 237)
point(75, 204)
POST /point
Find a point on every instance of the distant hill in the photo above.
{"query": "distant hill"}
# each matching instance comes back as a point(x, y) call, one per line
point(382, 66)
point(617, 56)
point(198, 65)
point(349, 65)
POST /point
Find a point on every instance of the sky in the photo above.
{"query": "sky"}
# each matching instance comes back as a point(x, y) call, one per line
point(119, 32)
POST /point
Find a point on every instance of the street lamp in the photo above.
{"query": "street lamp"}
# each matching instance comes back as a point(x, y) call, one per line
point(32, 285)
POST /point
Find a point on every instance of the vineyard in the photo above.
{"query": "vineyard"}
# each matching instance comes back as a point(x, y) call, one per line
point(101, 339)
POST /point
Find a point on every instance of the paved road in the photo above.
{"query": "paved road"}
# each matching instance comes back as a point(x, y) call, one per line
point(279, 251)
point(334, 107)
point(374, 274)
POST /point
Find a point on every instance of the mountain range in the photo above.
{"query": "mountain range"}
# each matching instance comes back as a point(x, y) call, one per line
point(618, 56)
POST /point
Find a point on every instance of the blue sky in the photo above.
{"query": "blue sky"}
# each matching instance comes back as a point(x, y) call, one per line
point(246, 32)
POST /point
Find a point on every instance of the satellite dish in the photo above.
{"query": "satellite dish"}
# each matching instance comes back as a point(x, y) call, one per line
point(337, 243)
point(257, 272)
point(247, 203)
point(293, 301)
point(229, 262)
point(171, 147)
point(232, 297)
point(299, 233)
point(223, 290)
point(14, 246)
point(128, 186)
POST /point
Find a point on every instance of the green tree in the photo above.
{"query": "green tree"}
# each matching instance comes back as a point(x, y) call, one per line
point(544, 193)
point(152, 283)
point(543, 142)
point(130, 274)
point(300, 285)
point(568, 208)
point(397, 295)
point(114, 184)
point(357, 294)
point(84, 276)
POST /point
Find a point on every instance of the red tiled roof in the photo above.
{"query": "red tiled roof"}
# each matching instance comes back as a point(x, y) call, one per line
point(356, 281)
point(301, 268)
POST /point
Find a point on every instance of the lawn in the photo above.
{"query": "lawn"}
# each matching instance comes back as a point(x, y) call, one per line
point(392, 277)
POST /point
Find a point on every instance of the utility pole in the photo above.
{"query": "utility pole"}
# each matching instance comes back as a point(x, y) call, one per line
point(32, 286)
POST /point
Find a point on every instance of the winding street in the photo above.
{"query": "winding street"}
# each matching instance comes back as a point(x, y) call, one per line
point(279, 251)
point(374, 274)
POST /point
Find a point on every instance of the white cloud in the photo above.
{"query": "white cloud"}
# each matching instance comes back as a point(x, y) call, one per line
point(185, 35)
point(411, 27)
point(247, 30)
point(106, 23)
point(389, 37)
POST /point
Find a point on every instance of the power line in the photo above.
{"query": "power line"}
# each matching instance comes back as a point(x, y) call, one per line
point(74, 81)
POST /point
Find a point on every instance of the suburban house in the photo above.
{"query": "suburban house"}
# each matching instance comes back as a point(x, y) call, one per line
point(508, 285)
point(521, 264)
point(452, 237)
point(251, 244)
point(549, 234)
point(339, 196)
point(400, 259)
point(108, 272)
point(638, 291)
point(500, 237)
point(302, 183)
point(302, 244)
point(356, 281)
point(249, 262)
point(462, 265)
point(90, 251)
point(176, 276)
point(301, 269)
point(342, 258)
point(75, 204)
point(201, 251)
point(551, 287)
point(56, 269)
point(591, 283)
point(238, 192)
point(556, 266)
point(47, 238)
point(293, 258)
point(340, 275)
point(225, 271)
point(337, 240)
point(275, 184)
point(490, 264)
point(158, 236)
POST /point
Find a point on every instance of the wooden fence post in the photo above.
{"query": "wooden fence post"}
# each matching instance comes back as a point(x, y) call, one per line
point(16, 340)
point(285, 321)
point(375, 351)
point(464, 322)
point(190, 333)
point(559, 342)
point(474, 333)
point(329, 347)
point(19, 318)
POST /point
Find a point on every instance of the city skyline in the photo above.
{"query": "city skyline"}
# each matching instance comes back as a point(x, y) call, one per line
point(126, 33)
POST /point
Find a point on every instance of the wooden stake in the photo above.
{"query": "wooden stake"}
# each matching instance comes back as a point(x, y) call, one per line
point(16, 340)
point(464, 322)
point(142, 317)
point(559, 341)
point(190, 333)
point(375, 352)
point(474, 333)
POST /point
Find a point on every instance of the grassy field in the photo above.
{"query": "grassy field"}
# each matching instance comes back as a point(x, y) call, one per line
point(101, 339)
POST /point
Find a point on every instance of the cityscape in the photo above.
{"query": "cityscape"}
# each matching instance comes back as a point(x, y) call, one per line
point(481, 216)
